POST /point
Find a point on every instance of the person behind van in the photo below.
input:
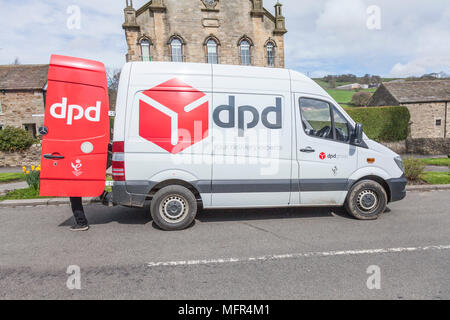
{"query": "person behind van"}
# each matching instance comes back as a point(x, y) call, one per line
point(81, 223)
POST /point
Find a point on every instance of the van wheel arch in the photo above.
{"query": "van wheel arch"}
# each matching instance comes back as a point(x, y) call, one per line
point(176, 182)
point(380, 180)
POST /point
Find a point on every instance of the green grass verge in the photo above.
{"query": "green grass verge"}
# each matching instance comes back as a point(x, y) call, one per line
point(444, 162)
point(436, 177)
point(11, 177)
point(22, 194)
point(30, 193)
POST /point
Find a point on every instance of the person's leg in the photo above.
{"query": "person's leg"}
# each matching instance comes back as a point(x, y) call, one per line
point(78, 211)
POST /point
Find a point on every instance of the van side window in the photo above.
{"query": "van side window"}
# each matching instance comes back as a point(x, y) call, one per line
point(316, 118)
point(342, 127)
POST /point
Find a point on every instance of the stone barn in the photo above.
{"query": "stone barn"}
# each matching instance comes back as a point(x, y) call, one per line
point(427, 101)
point(239, 32)
point(22, 96)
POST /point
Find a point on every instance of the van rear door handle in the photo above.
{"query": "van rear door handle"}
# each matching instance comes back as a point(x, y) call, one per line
point(52, 157)
point(308, 150)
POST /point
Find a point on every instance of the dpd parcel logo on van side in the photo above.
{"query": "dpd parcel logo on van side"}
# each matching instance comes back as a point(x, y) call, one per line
point(173, 115)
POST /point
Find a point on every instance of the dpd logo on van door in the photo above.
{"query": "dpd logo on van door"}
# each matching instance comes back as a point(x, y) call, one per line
point(173, 115)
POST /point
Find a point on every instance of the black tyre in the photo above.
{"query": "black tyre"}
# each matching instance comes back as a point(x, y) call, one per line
point(173, 208)
point(367, 200)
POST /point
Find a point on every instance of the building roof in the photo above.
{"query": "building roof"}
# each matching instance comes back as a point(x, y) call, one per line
point(413, 92)
point(23, 77)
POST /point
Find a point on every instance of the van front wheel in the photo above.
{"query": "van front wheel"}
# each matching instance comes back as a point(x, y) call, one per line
point(173, 208)
point(367, 200)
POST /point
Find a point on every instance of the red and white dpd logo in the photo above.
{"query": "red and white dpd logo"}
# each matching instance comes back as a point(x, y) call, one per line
point(173, 115)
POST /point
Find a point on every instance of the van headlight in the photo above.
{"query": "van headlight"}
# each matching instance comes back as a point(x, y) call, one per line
point(398, 160)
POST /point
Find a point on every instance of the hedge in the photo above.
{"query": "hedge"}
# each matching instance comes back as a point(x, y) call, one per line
point(15, 139)
point(387, 124)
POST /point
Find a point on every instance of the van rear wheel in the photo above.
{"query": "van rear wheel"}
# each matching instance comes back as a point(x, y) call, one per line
point(367, 200)
point(173, 208)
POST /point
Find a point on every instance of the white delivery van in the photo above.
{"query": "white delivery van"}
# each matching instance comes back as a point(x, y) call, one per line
point(190, 136)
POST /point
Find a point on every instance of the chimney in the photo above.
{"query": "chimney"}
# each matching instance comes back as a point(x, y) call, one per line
point(257, 10)
point(130, 16)
point(280, 20)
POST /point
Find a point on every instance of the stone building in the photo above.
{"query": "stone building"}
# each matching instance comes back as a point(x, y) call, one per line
point(206, 31)
point(427, 101)
point(22, 96)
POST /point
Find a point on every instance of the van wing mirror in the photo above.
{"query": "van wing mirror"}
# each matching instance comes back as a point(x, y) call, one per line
point(358, 135)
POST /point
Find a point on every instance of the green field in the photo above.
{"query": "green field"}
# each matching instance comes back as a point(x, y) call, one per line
point(343, 97)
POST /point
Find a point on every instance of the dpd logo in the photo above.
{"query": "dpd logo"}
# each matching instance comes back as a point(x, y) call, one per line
point(173, 115)
point(73, 112)
point(323, 156)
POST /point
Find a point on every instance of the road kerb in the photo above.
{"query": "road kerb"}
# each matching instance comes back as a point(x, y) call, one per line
point(43, 202)
point(434, 187)
point(86, 201)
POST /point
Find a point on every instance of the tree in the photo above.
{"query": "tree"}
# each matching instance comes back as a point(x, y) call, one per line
point(361, 99)
point(16, 61)
point(113, 76)
point(332, 83)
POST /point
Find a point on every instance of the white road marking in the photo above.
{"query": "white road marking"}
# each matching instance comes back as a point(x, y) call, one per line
point(295, 255)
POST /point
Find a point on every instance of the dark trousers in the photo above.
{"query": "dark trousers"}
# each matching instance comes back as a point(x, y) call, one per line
point(78, 211)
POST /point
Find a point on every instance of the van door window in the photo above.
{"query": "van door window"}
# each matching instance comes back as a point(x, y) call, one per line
point(316, 118)
point(342, 126)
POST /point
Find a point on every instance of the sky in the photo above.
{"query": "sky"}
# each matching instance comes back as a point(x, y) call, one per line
point(390, 38)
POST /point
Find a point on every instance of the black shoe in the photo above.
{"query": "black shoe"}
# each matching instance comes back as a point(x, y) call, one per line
point(79, 228)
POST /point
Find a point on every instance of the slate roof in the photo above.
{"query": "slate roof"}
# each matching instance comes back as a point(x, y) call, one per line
point(419, 91)
point(23, 77)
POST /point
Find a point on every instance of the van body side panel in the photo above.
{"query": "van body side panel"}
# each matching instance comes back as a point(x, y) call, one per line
point(167, 126)
point(252, 163)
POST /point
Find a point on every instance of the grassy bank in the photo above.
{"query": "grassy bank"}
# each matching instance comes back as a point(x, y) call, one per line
point(11, 177)
point(22, 194)
point(436, 177)
point(444, 162)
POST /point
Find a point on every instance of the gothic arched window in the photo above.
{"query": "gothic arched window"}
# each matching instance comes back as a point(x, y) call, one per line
point(145, 50)
point(245, 51)
point(212, 51)
point(270, 52)
point(176, 50)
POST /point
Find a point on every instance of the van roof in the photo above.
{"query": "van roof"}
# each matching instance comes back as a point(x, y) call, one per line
point(251, 75)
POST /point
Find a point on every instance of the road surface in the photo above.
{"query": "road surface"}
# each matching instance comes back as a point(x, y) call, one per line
point(242, 254)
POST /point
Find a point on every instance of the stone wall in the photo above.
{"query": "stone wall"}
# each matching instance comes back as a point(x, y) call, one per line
point(423, 120)
point(398, 147)
point(189, 20)
point(18, 108)
point(27, 158)
point(437, 146)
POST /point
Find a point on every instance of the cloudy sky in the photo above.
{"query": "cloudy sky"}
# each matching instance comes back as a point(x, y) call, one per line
point(411, 37)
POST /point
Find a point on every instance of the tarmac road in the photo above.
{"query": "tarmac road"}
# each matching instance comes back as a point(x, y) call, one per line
point(242, 254)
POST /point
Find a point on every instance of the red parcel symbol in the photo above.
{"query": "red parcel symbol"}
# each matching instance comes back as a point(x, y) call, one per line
point(173, 115)
point(322, 155)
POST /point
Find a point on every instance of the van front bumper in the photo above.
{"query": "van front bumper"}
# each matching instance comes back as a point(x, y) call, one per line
point(398, 188)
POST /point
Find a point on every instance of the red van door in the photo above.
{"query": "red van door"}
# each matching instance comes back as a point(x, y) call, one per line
point(76, 129)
